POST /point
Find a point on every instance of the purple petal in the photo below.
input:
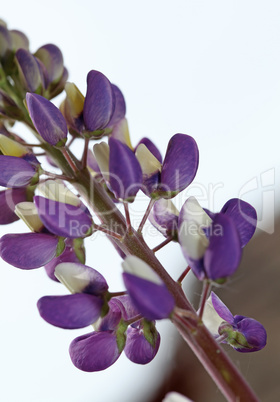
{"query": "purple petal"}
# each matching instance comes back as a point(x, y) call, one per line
point(28, 250)
point(68, 255)
point(71, 311)
point(51, 56)
point(63, 219)
point(95, 351)
point(47, 119)
point(126, 307)
point(254, 333)
point(125, 171)
point(15, 172)
point(112, 319)
point(137, 347)
point(151, 147)
point(153, 301)
point(119, 106)
point(222, 257)
point(29, 70)
point(180, 164)
point(221, 309)
point(99, 104)
point(164, 217)
point(8, 200)
point(244, 216)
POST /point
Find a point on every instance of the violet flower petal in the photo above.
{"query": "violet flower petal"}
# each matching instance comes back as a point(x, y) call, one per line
point(180, 164)
point(63, 219)
point(119, 106)
point(29, 71)
point(67, 256)
point(221, 309)
point(99, 102)
point(222, 257)
point(70, 311)
point(15, 172)
point(28, 250)
point(125, 171)
point(244, 216)
point(151, 147)
point(138, 349)
point(112, 319)
point(164, 217)
point(152, 300)
point(47, 119)
point(8, 200)
point(254, 333)
point(95, 351)
point(51, 56)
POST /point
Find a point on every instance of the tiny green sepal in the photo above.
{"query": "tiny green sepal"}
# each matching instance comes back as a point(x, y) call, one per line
point(121, 335)
point(60, 246)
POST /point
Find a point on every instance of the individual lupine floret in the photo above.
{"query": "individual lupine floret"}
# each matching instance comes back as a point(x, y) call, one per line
point(242, 333)
point(81, 308)
point(175, 173)
point(104, 103)
point(94, 351)
point(120, 169)
point(29, 250)
point(148, 292)
point(30, 72)
point(212, 243)
point(164, 217)
point(33, 250)
point(47, 119)
point(142, 342)
point(55, 74)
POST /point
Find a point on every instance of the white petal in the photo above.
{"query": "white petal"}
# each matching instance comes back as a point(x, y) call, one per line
point(148, 162)
point(211, 318)
point(191, 234)
point(57, 191)
point(27, 211)
point(101, 152)
point(74, 276)
point(135, 266)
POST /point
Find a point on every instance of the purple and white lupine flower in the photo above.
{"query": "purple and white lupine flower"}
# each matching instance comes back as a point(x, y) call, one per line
point(175, 173)
point(242, 333)
point(47, 119)
point(148, 292)
point(212, 247)
point(65, 220)
point(164, 217)
point(81, 308)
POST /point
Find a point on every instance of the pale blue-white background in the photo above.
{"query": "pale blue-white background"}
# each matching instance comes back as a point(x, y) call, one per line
point(205, 68)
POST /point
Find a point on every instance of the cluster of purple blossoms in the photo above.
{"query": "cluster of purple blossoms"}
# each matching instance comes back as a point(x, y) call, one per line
point(59, 221)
